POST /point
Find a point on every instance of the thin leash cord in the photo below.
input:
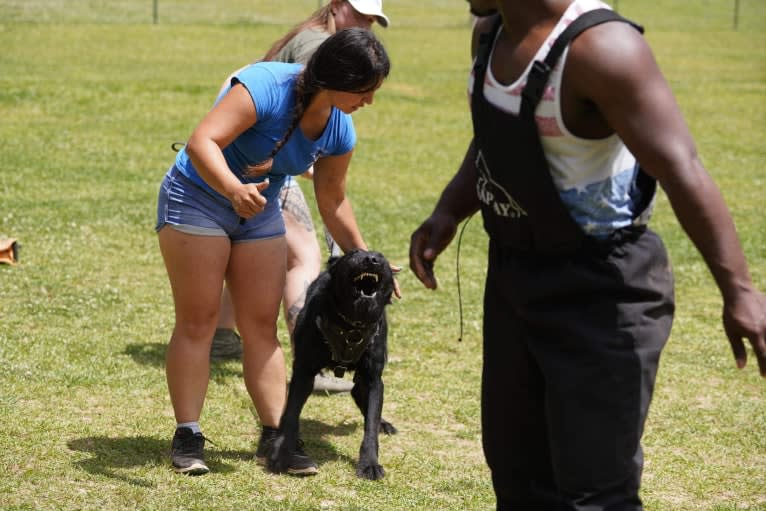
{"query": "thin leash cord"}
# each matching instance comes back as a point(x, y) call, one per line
point(457, 277)
point(287, 193)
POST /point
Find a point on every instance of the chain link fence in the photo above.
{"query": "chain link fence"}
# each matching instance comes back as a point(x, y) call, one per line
point(683, 15)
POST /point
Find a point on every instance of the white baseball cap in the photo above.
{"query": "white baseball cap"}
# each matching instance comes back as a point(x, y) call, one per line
point(371, 8)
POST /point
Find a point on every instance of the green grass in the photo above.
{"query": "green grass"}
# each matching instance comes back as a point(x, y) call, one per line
point(91, 96)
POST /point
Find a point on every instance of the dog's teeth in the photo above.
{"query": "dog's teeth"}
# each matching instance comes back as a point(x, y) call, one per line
point(373, 276)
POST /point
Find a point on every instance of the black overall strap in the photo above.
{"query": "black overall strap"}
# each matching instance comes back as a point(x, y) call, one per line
point(541, 70)
point(485, 48)
point(522, 208)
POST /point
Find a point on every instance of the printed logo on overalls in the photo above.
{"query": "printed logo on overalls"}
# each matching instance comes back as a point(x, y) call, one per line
point(492, 194)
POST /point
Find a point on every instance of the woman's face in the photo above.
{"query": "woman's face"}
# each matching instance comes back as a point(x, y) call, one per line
point(348, 17)
point(350, 102)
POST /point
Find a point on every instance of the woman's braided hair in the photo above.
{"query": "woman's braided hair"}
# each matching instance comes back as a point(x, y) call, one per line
point(351, 60)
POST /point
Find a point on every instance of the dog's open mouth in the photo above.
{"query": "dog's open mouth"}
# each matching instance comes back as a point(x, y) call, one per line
point(367, 284)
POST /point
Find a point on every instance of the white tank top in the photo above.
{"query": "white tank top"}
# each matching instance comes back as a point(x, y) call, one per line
point(595, 178)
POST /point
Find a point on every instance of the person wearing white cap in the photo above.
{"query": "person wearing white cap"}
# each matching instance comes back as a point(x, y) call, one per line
point(371, 8)
point(304, 254)
point(305, 37)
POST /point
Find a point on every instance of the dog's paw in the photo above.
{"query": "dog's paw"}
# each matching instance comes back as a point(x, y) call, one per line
point(279, 457)
point(387, 428)
point(371, 471)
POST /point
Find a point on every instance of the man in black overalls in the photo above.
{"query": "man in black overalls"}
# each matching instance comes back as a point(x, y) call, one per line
point(574, 326)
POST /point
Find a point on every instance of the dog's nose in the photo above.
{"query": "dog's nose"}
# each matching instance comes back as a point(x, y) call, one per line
point(372, 259)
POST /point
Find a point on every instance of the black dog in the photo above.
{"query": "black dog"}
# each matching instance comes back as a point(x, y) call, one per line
point(342, 326)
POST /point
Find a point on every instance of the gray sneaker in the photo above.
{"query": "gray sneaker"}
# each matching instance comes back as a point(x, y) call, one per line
point(187, 452)
point(300, 462)
point(331, 384)
point(227, 345)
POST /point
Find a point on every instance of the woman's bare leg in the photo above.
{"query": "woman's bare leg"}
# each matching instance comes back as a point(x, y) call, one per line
point(255, 278)
point(196, 267)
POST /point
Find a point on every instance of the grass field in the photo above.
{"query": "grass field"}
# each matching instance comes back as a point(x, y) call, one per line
point(91, 96)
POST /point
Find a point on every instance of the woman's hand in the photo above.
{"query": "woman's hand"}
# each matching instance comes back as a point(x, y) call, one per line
point(397, 289)
point(247, 200)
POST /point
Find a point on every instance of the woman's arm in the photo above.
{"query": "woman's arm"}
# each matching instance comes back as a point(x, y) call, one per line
point(334, 207)
point(225, 122)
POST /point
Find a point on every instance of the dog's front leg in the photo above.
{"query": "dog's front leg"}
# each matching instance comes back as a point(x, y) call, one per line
point(301, 384)
point(368, 466)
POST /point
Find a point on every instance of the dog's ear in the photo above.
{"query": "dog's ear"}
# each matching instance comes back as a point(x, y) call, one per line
point(331, 261)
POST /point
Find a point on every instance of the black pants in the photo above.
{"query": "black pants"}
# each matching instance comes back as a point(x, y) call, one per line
point(571, 348)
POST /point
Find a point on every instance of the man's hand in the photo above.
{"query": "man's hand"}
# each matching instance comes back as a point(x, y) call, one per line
point(426, 243)
point(745, 317)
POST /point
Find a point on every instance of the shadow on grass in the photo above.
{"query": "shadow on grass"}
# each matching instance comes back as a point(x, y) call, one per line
point(109, 457)
point(319, 440)
point(113, 457)
point(148, 354)
point(153, 354)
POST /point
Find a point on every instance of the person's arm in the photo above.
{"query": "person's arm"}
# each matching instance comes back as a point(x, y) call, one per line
point(337, 214)
point(612, 67)
point(225, 122)
point(458, 201)
point(335, 208)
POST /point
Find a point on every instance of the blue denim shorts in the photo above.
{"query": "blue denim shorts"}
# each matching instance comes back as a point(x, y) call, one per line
point(191, 209)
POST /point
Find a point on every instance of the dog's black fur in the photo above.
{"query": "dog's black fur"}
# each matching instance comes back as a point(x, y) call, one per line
point(345, 303)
